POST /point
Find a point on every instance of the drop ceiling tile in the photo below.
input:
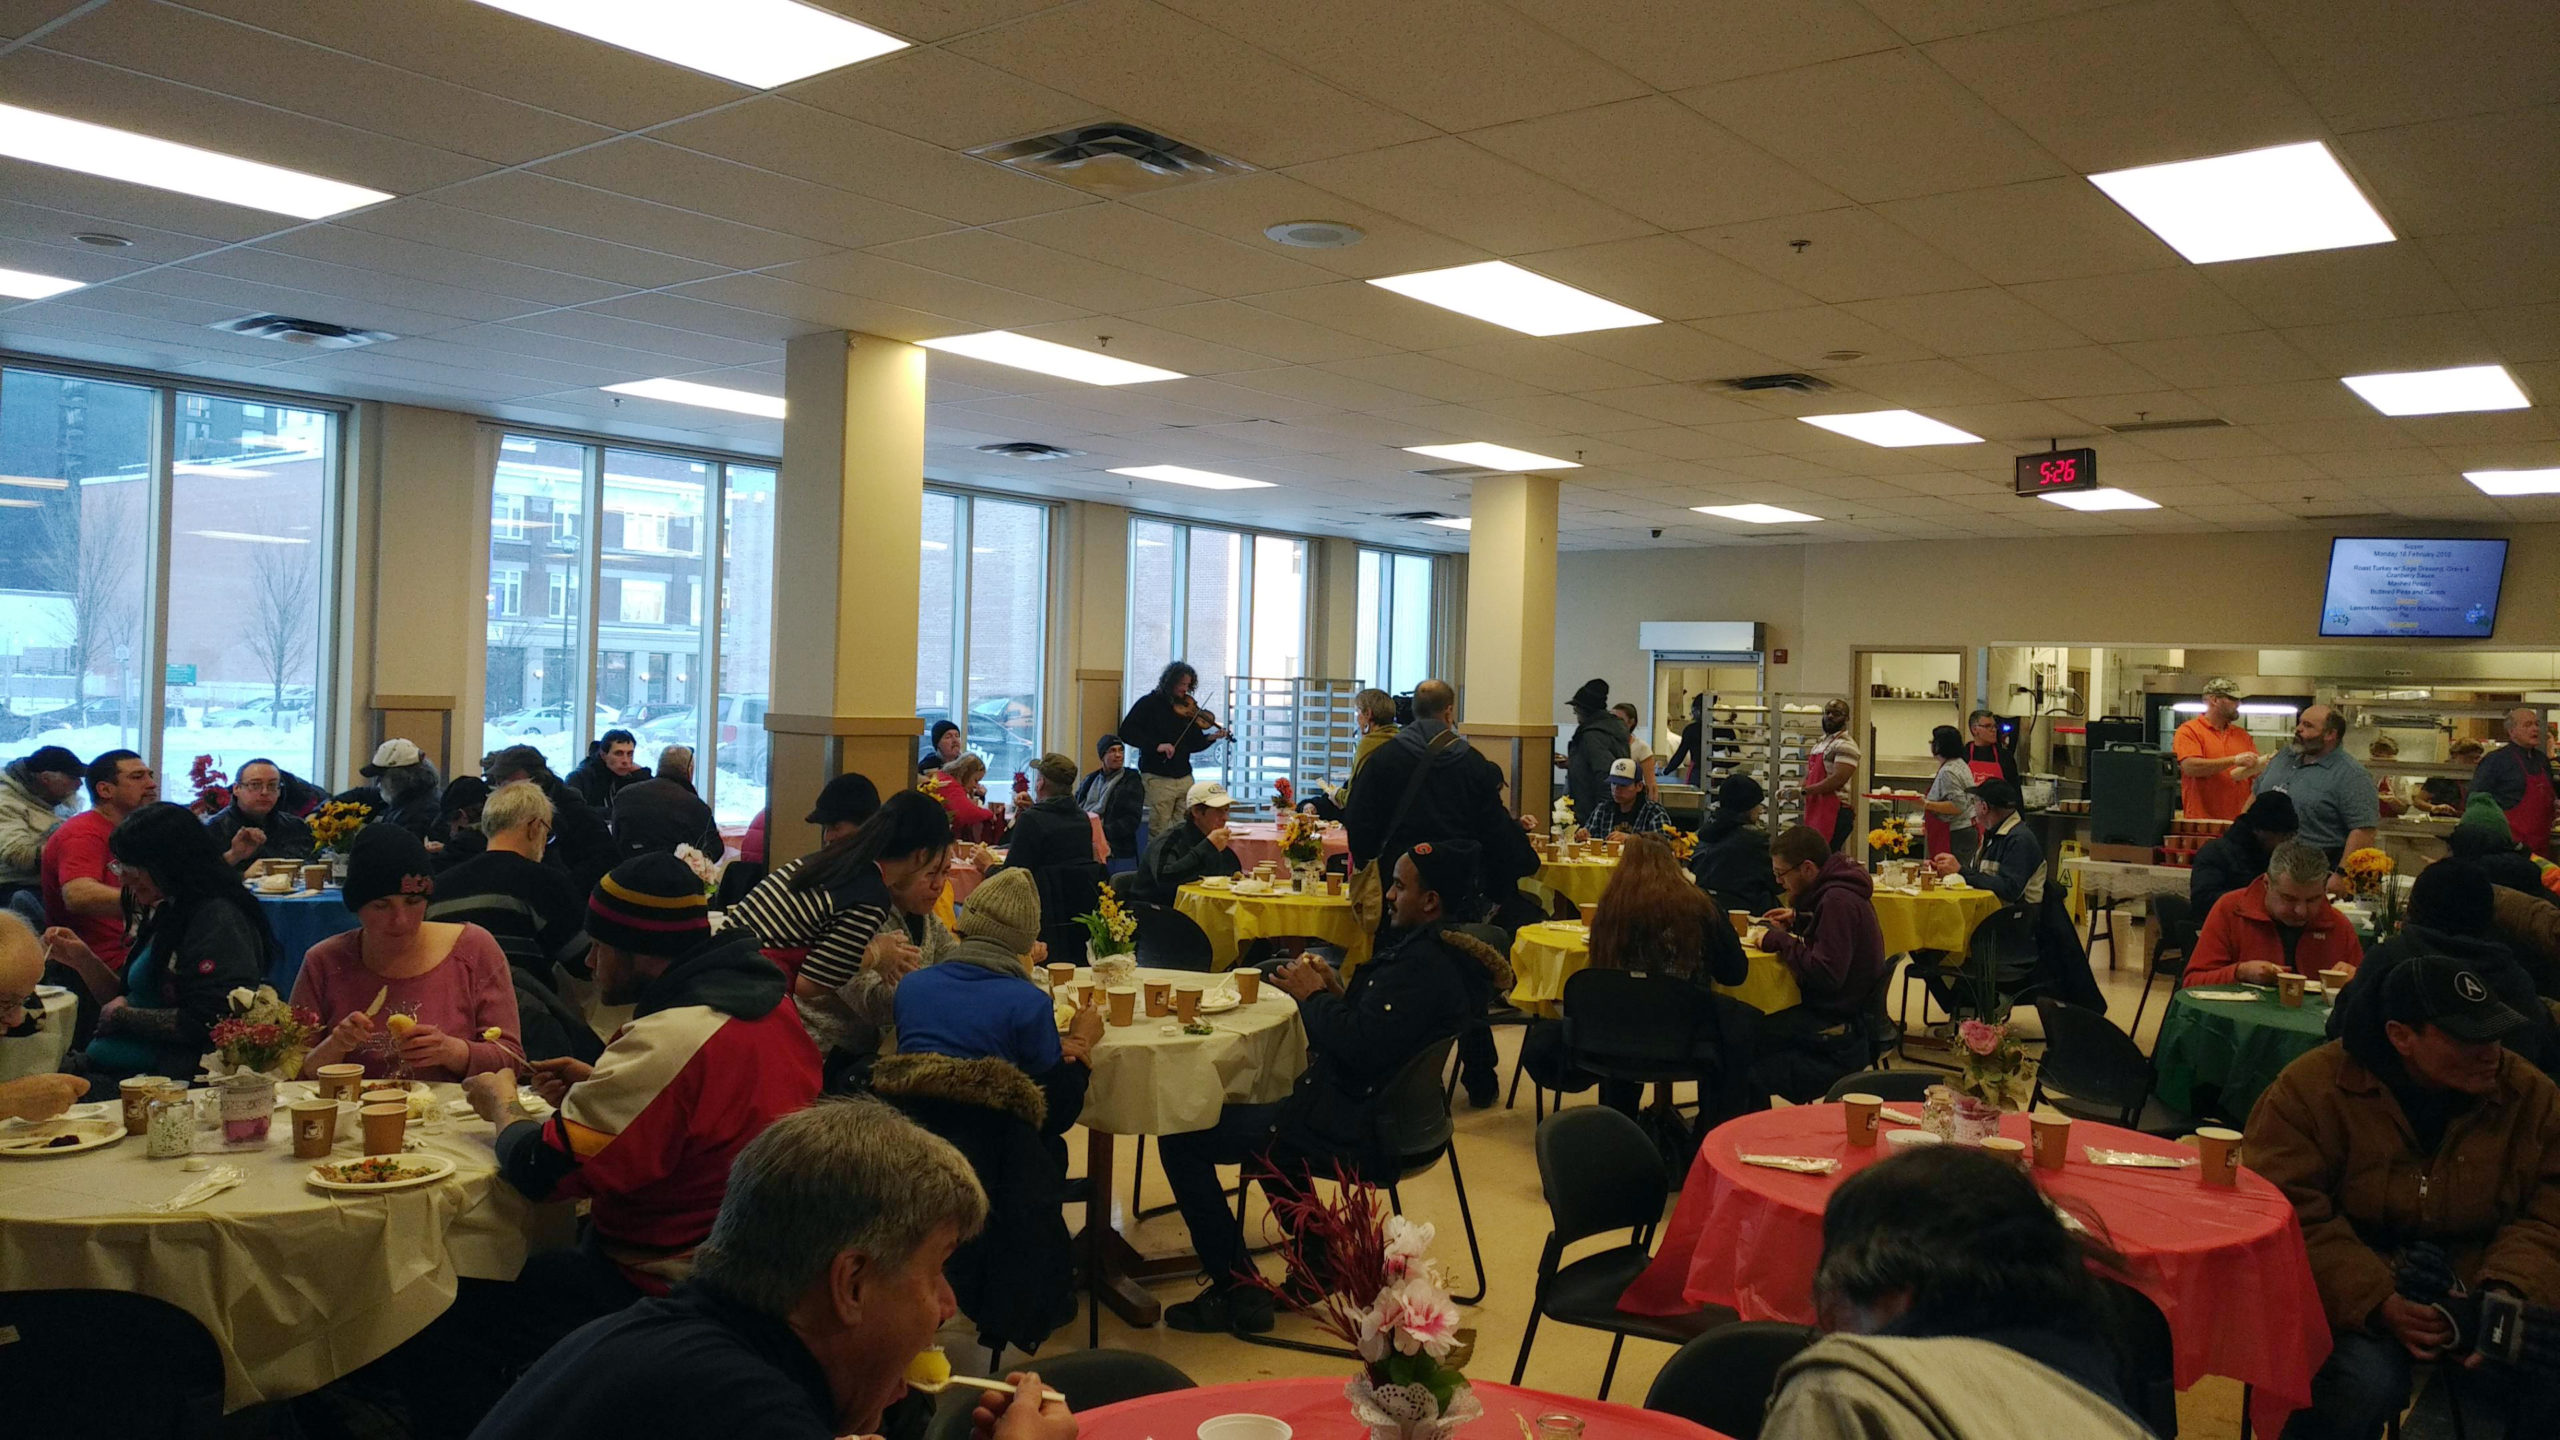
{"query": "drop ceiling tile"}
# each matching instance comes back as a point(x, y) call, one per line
point(2133, 84)
point(2525, 333)
point(1454, 188)
point(1380, 315)
point(1431, 378)
point(2370, 63)
point(2254, 357)
point(2291, 400)
point(599, 328)
point(604, 215)
point(1660, 162)
point(2016, 420)
point(1241, 208)
point(2313, 437)
point(2150, 305)
point(2329, 286)
point(525, 373)
point(2384, 465)
point(1677, 405)
point(2038, 230)
point(1675, 43)
point(1967, 322)
point(826, 309)
point(877, 277)
point(1323, 388)
point(1920, 21)
point(2519, 265)
point(701, 317)
point(1848, 254)
point(499, 238)
point(1262, 332)
point(1665, 276)
point(2407, 342)
point(943, 99)
point(1170, 349)
point(1683, 443)
point(1876, 127)
point(43, 225)
point(1673, 352)
point(244, 297)
point(1225, 95)
point(668, 175)
point(2069, 372)
point(1803, 338)
point(2474, 173)
point(1549, 367)
point(360, 251)
point(1913, 383)
point(135, 210)
point(810, 144)
point(1168, 250)
point(1071, 280)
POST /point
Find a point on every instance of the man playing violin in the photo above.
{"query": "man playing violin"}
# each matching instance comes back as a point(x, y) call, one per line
point(1163, 731)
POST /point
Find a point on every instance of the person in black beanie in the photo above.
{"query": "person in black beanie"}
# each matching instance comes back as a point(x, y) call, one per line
point(2230, 860)
point(2452, 913)
point(1116, 793)
point(1732, 861)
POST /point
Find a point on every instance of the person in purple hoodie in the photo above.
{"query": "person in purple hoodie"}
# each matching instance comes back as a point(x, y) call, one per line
point(1827, 936)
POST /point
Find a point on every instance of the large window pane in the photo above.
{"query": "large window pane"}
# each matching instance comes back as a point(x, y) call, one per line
point(536, 654)
point(654, 552)
point(1366, 661)
point(1279, 606)
point(75, 520)
point(1410, 636)
point(1151, 594)
point(248, 578)
point(746, 647)
point(1008, 577)
point(1213, 608)
point(937, 610)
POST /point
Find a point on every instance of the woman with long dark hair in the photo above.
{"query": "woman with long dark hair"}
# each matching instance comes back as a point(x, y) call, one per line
point(848, 921)
point(199, 935)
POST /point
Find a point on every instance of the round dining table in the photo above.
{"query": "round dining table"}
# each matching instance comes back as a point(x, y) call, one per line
point(1547, 954)
point(298, 1286)
point(1233, 919)
point(2227, 1268)
point(1255, 841)
point(2233, 1047)
point(1579, 880)
point(1314, 1407)
point(300, 920)
point(1940, 919)
point(40, 1053)
point(1151, 1077)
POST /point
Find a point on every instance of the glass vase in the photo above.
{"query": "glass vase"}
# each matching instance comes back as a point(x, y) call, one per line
point(1976, 1120)
point(1410, 1412)
point(248, 1108)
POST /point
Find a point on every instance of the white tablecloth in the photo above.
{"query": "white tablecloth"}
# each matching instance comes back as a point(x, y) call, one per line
point(2118, 880)
point(298, 1286)
point(42, 1052)
point(1146, 1082)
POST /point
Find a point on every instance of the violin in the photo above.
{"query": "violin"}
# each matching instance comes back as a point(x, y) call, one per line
point(1194, 712)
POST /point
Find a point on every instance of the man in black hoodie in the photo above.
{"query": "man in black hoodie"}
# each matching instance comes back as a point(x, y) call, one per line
point(2452, 913)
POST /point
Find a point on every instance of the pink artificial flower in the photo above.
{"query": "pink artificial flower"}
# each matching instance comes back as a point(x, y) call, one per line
point(1980, 1038)
point(1407, 1245)
point(1423, 1316)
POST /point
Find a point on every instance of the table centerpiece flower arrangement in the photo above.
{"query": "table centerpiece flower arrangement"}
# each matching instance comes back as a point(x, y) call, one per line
point(263, 1040)
point(213, 788)
point(1302, 844)
point(1889, 838)
point(703, 868)
point(1365, 1275)
point(1560, 819)
point(1111, 940)
point(333, 829)
point(1996, 1076)
point(1683, 843)
point(2369, 870)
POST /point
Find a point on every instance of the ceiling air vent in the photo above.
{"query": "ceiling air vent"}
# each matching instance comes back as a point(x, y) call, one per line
point(1789, 380)
point(1418, 517)
point(1029, 450)
point(1461, 474)
point(2145, 427)
point(1115, 160)
point(293, 330)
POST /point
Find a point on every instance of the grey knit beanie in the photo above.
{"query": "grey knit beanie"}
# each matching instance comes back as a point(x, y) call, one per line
point(1005, 910)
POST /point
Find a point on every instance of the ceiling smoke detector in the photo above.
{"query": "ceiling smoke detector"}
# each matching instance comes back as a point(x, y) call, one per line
point(294, 330)
point(1316, 234)
point(1028, 450)
point(1115, 160)
point(1787, 380)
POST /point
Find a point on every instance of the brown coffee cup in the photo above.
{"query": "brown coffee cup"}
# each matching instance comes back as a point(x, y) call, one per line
point(2221, 1150)
point(315, 878)
point(385, 1095)
point(1861, 1111)
point(315, 1127)
point(1124, 1007)
point(1186, 1004)
point(1159, 998)
point(137, 1095)
point(2001, 1147)
point(1248, 985)
point(341, 1082)
point(2289, 990)
point(2336, 978)
point(2049, 1134)
point(1061, 976)
point(1332, 883)
point(1084, 994)
point(385, 1125)
point(1741, 922)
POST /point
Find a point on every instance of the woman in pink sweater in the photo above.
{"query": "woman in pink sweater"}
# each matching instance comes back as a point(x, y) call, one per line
point(451, 981)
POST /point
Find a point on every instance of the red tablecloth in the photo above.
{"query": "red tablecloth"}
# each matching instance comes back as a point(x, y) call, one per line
point(1315, 1410)
point(965, 876)
point(2227, 1267)
point(1255, 841)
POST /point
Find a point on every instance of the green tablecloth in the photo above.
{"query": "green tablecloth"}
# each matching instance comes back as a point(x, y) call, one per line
point(2235, 1046)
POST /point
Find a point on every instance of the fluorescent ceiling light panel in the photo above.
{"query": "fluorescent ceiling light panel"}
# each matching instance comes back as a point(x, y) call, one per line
point(763, 43)
point(2515, 482)
point(162, 164)
point(1515, 298)
point(28, 285)
point(1454, 522)
point(1493, 457)
point(1756, 514)
point(710, 397)
point(1197, 479)
point(2441, 392)
point(1003, 347)
point(2278, 201)
point(1892, 428)
point(2106, 499)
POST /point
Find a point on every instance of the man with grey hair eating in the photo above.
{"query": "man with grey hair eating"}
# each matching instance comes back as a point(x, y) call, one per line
point(821, 1280)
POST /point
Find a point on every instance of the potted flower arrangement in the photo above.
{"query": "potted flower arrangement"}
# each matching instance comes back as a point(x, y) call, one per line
point(1683, 843)
point(1886, 839)
point(1997, 1076)
point(334, 827)
point(702, 867)
point(1284, 796)
point(1365, 1276)
point(213, 788)
point(2369, 870)
point(1302, 844)
point(1111, 939)
point(262, 1041)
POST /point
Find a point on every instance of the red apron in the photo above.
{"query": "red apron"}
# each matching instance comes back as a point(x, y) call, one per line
point(1937, 834)
point(2530, 821)
point(1820, 811)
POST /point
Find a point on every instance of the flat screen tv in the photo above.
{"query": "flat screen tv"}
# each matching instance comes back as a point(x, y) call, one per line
point(2413, 589)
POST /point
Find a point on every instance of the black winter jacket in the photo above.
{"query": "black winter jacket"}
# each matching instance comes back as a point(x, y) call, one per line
point(1460, 800)
point(1426, 987)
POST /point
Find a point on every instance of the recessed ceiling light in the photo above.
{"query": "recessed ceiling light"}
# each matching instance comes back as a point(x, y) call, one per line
point(2441, 392)
point(166, 165)
point(762, 43)
point(2278, 201)
point(1756, 514)
point(1316, 234)
point(1453, 522)
point(1003, 347)
point(2107, 499)
point(27, 285)
point(1512, 297)
point(1894, 428)
point(1493, 457)
point(710, 397)
point(2515, 482)
point(1197, 479)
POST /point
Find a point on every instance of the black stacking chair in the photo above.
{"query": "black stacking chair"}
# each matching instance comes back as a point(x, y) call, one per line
point(1724, 1378)
point(2173, 939)
point(1908, 1086)
point(54, 1335)
point(2093, 1071)
point(1171, 940)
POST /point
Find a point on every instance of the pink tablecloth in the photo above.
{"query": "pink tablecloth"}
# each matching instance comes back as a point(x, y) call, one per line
point(1315, 1410)
point(2226, 1267)
point(1255, 841)
point(965, 876)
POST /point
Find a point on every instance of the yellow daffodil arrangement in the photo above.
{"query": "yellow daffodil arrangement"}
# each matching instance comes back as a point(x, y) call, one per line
point(1889, 839)
point(337, 822)
point(1109, 930)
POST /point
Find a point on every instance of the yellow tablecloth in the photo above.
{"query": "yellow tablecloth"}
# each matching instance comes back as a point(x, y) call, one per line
point(1544, 956)
point(1932, 920)
point(1579, 881)
point(1231, 921)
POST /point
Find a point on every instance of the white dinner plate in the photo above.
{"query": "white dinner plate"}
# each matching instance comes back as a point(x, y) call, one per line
point(1215, 882)
point(48, 992)
point(1250, 887)
point(21, 1140)
point(1218, 1002)
point(419, 1170)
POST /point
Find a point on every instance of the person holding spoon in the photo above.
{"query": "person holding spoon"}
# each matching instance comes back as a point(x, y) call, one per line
point(415, 998)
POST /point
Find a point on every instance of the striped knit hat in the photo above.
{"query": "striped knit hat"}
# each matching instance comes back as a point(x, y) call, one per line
point(650, 905)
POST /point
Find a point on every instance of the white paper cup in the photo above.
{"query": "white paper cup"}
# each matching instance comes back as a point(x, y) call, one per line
point(1243, 1427)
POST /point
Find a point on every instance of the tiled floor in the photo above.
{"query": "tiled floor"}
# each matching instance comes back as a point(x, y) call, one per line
point(1511, 1222)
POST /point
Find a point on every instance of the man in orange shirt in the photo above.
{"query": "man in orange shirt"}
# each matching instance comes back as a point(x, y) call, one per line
point(2216, 757)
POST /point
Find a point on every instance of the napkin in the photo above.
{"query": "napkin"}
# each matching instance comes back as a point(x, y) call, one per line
point(2222, 994)
point(1898, 1117)
point(1801, 1164)
point(215, 1181)
point(2138, 1159)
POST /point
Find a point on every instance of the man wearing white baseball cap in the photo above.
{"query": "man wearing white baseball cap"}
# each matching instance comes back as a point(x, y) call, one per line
point(1626, 806)
point(404, 789)
point(1184, 853)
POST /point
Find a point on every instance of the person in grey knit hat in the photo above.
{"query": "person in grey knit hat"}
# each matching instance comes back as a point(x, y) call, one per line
point(981, 1000)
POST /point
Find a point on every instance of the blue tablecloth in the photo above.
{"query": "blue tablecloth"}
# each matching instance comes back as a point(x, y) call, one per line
point(301, 921)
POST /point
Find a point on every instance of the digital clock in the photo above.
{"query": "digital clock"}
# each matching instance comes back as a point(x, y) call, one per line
point(2056, 471)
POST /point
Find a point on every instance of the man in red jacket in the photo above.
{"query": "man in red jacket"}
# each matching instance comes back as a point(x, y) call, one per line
point(2282, 922)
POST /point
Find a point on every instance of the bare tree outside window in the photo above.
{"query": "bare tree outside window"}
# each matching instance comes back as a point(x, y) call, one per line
point(284, 590)
point(93, 553)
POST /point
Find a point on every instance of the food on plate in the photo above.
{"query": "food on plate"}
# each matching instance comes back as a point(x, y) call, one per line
point(371, 1170)
point(53, 1135)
